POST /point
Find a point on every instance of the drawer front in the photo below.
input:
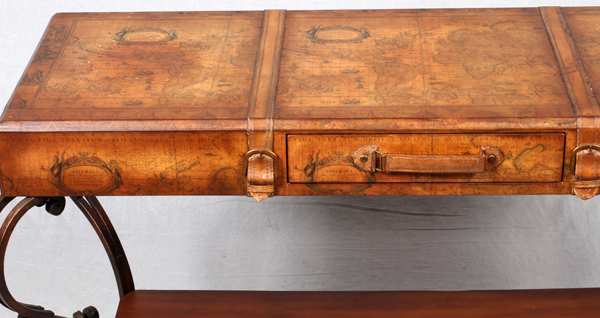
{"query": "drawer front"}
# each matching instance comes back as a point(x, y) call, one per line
point(329, 158)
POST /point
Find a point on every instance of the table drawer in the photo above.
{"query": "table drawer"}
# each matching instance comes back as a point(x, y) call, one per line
point(426, 158)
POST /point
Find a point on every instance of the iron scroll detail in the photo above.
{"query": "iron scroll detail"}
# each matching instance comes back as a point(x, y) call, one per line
point(94, 212)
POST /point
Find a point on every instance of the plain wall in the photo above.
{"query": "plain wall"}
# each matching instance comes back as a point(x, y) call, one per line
point(290, 243)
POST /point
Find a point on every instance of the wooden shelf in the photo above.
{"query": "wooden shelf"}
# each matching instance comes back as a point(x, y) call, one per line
point(472, 304)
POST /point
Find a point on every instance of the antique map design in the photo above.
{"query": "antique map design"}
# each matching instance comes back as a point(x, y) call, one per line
point(170, 66)
point(327, 158)
point(419, 64)
point(129, 164)
point(84, 172)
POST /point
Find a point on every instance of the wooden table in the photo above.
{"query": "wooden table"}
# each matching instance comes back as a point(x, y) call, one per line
point(388, 102)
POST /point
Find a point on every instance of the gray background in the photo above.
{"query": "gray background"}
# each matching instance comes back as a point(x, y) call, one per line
point(291, 243)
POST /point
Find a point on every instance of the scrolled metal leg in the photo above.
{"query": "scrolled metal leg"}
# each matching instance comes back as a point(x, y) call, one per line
point(95, 214)
point(88, 312)
point(55, 206)
point(93, 211)
point(24, 310)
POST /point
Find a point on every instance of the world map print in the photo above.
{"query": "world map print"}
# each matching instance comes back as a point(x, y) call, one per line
point(137, 69)
point(473, 66)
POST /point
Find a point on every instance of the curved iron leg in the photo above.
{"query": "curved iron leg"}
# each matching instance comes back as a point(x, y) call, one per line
point(93, 211)
point(9, 225)
point(3, 203)
point(95, 214)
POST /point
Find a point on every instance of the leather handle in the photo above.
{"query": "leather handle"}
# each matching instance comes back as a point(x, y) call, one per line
point(368, 158)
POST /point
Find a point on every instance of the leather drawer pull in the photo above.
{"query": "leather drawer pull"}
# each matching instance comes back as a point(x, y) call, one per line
point(368, 158)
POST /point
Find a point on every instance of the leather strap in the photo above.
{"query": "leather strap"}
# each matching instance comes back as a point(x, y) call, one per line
point(585, 169)
point(368, 158)
point(261, 107)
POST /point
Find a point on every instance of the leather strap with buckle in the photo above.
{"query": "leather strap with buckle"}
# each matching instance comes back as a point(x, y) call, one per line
point(261, 169)
point(260, 163)
point(585, 157)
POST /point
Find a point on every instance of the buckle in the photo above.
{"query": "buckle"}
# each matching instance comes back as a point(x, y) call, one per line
point(266, 152)
point(578, 149)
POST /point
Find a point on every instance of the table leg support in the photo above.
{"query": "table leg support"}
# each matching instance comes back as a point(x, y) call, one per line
point(95, 214)
point(55, 207)
point(93, 211)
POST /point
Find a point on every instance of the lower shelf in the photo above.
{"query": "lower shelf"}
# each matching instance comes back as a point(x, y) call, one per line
point(473, 304)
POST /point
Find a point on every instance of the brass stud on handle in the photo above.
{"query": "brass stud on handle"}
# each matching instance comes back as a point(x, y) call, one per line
point(492, 158)
point(364, 158)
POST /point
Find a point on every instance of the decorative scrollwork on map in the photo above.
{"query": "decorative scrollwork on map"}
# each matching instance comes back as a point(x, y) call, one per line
point(323, 168)
point(145, 36)
point(84, 173)
point(337, 34)
point(330, 165)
